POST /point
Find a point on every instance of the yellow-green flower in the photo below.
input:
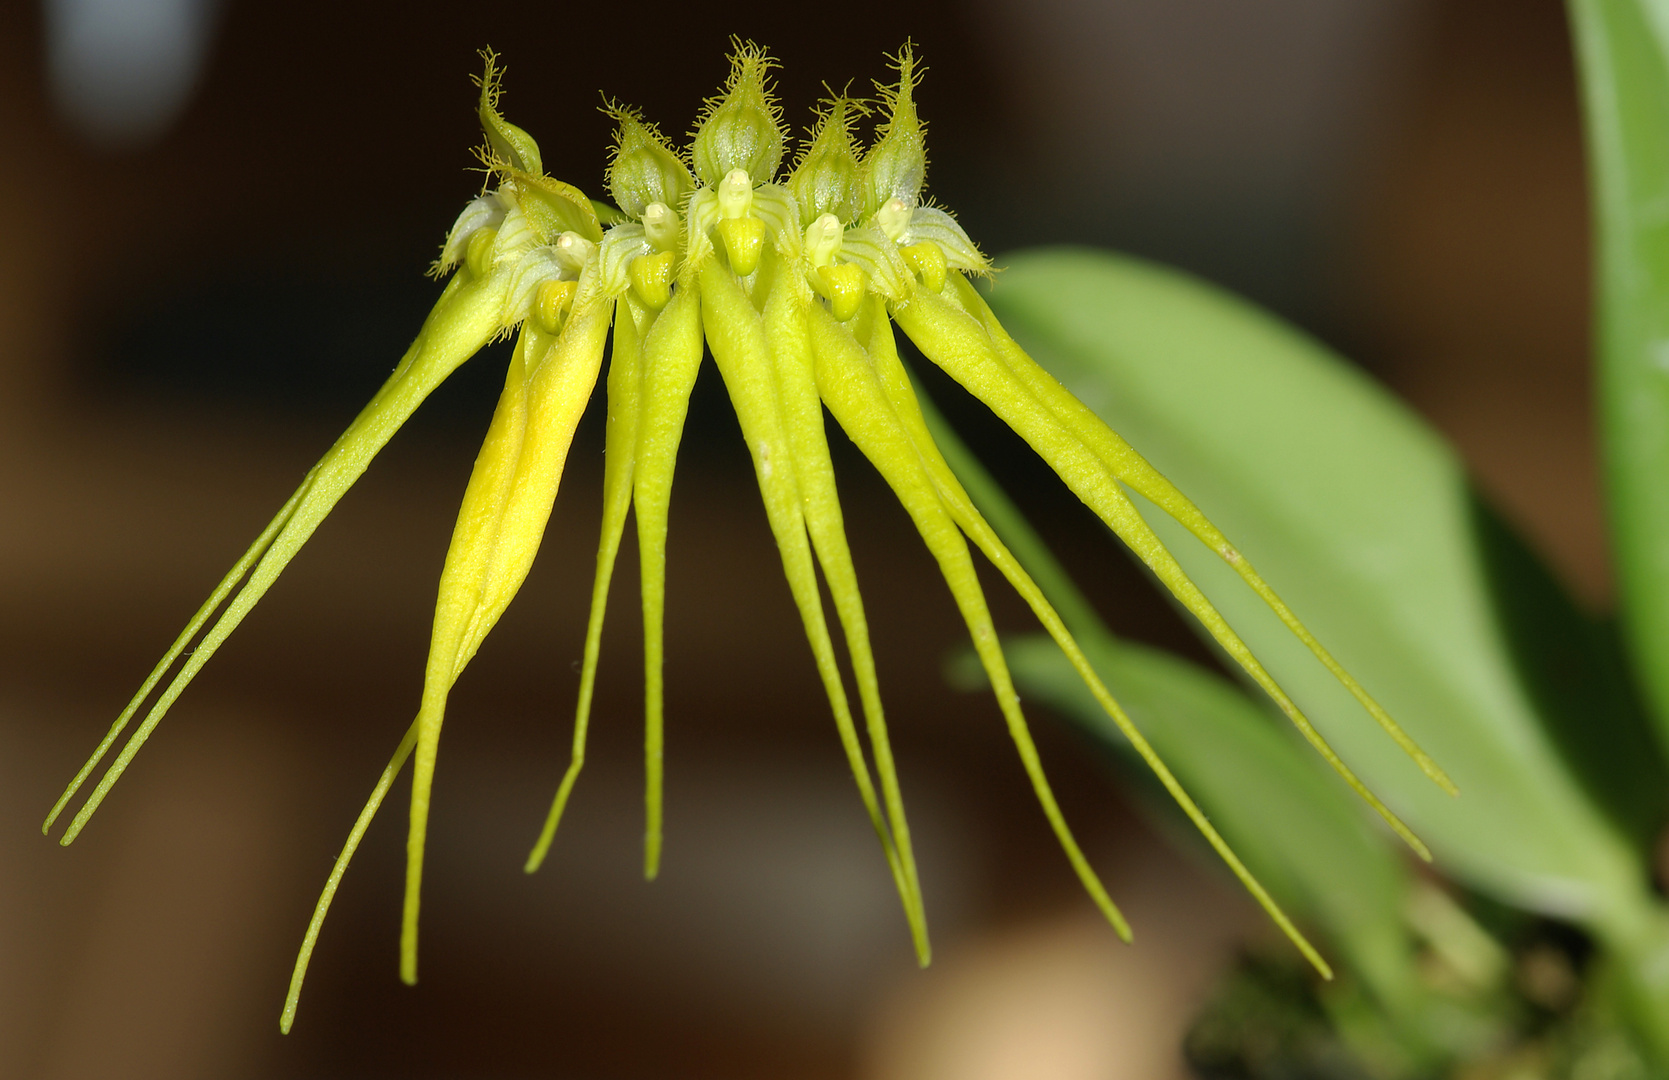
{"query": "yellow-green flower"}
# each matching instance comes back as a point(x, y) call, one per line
point(794, 287)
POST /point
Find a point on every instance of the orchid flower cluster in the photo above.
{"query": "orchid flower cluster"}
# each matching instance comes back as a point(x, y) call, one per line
point(794, 283)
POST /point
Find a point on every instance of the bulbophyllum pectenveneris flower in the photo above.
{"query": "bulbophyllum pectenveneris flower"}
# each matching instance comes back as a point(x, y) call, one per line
point(795, 288)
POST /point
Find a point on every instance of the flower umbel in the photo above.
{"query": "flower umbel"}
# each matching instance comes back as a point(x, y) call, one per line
point(795, 288)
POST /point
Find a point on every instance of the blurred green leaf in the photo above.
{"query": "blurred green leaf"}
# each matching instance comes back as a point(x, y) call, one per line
point(1623, 52)
point(1623, 46)
point(1573, 668)
point(1363, 519)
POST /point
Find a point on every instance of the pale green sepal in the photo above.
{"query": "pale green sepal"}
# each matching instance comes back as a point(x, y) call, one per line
point(826, 178)
point(533, 269)
point(551, 206)
point(741, 128)
point(698, 229)
point(870, 250)
point(505, 141)
point(487, 211)
point(510, 143)
point(644, 168)
point(929, 223)
point(515, 236)
point(621, 244)
point(777, 208)
point(896, 166)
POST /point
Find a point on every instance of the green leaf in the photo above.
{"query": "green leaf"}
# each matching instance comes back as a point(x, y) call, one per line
point(1623, 46)
point(1362, 518)
point(1573, 667)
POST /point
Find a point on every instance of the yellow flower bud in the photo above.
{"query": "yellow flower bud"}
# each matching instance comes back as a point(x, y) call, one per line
point(552, 207)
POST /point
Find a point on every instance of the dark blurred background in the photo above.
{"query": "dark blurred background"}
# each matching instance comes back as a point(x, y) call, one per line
point(217, 220)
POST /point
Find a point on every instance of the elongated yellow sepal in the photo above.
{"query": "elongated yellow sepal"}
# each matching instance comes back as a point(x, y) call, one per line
point(1132, 469)
point(671, 360)
point(785, 325)
point(895, 385)
point(619, 458)
point(650, 380)
point(744, 354)
point(849, 386)
point(502, 520)
point(322, 908)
